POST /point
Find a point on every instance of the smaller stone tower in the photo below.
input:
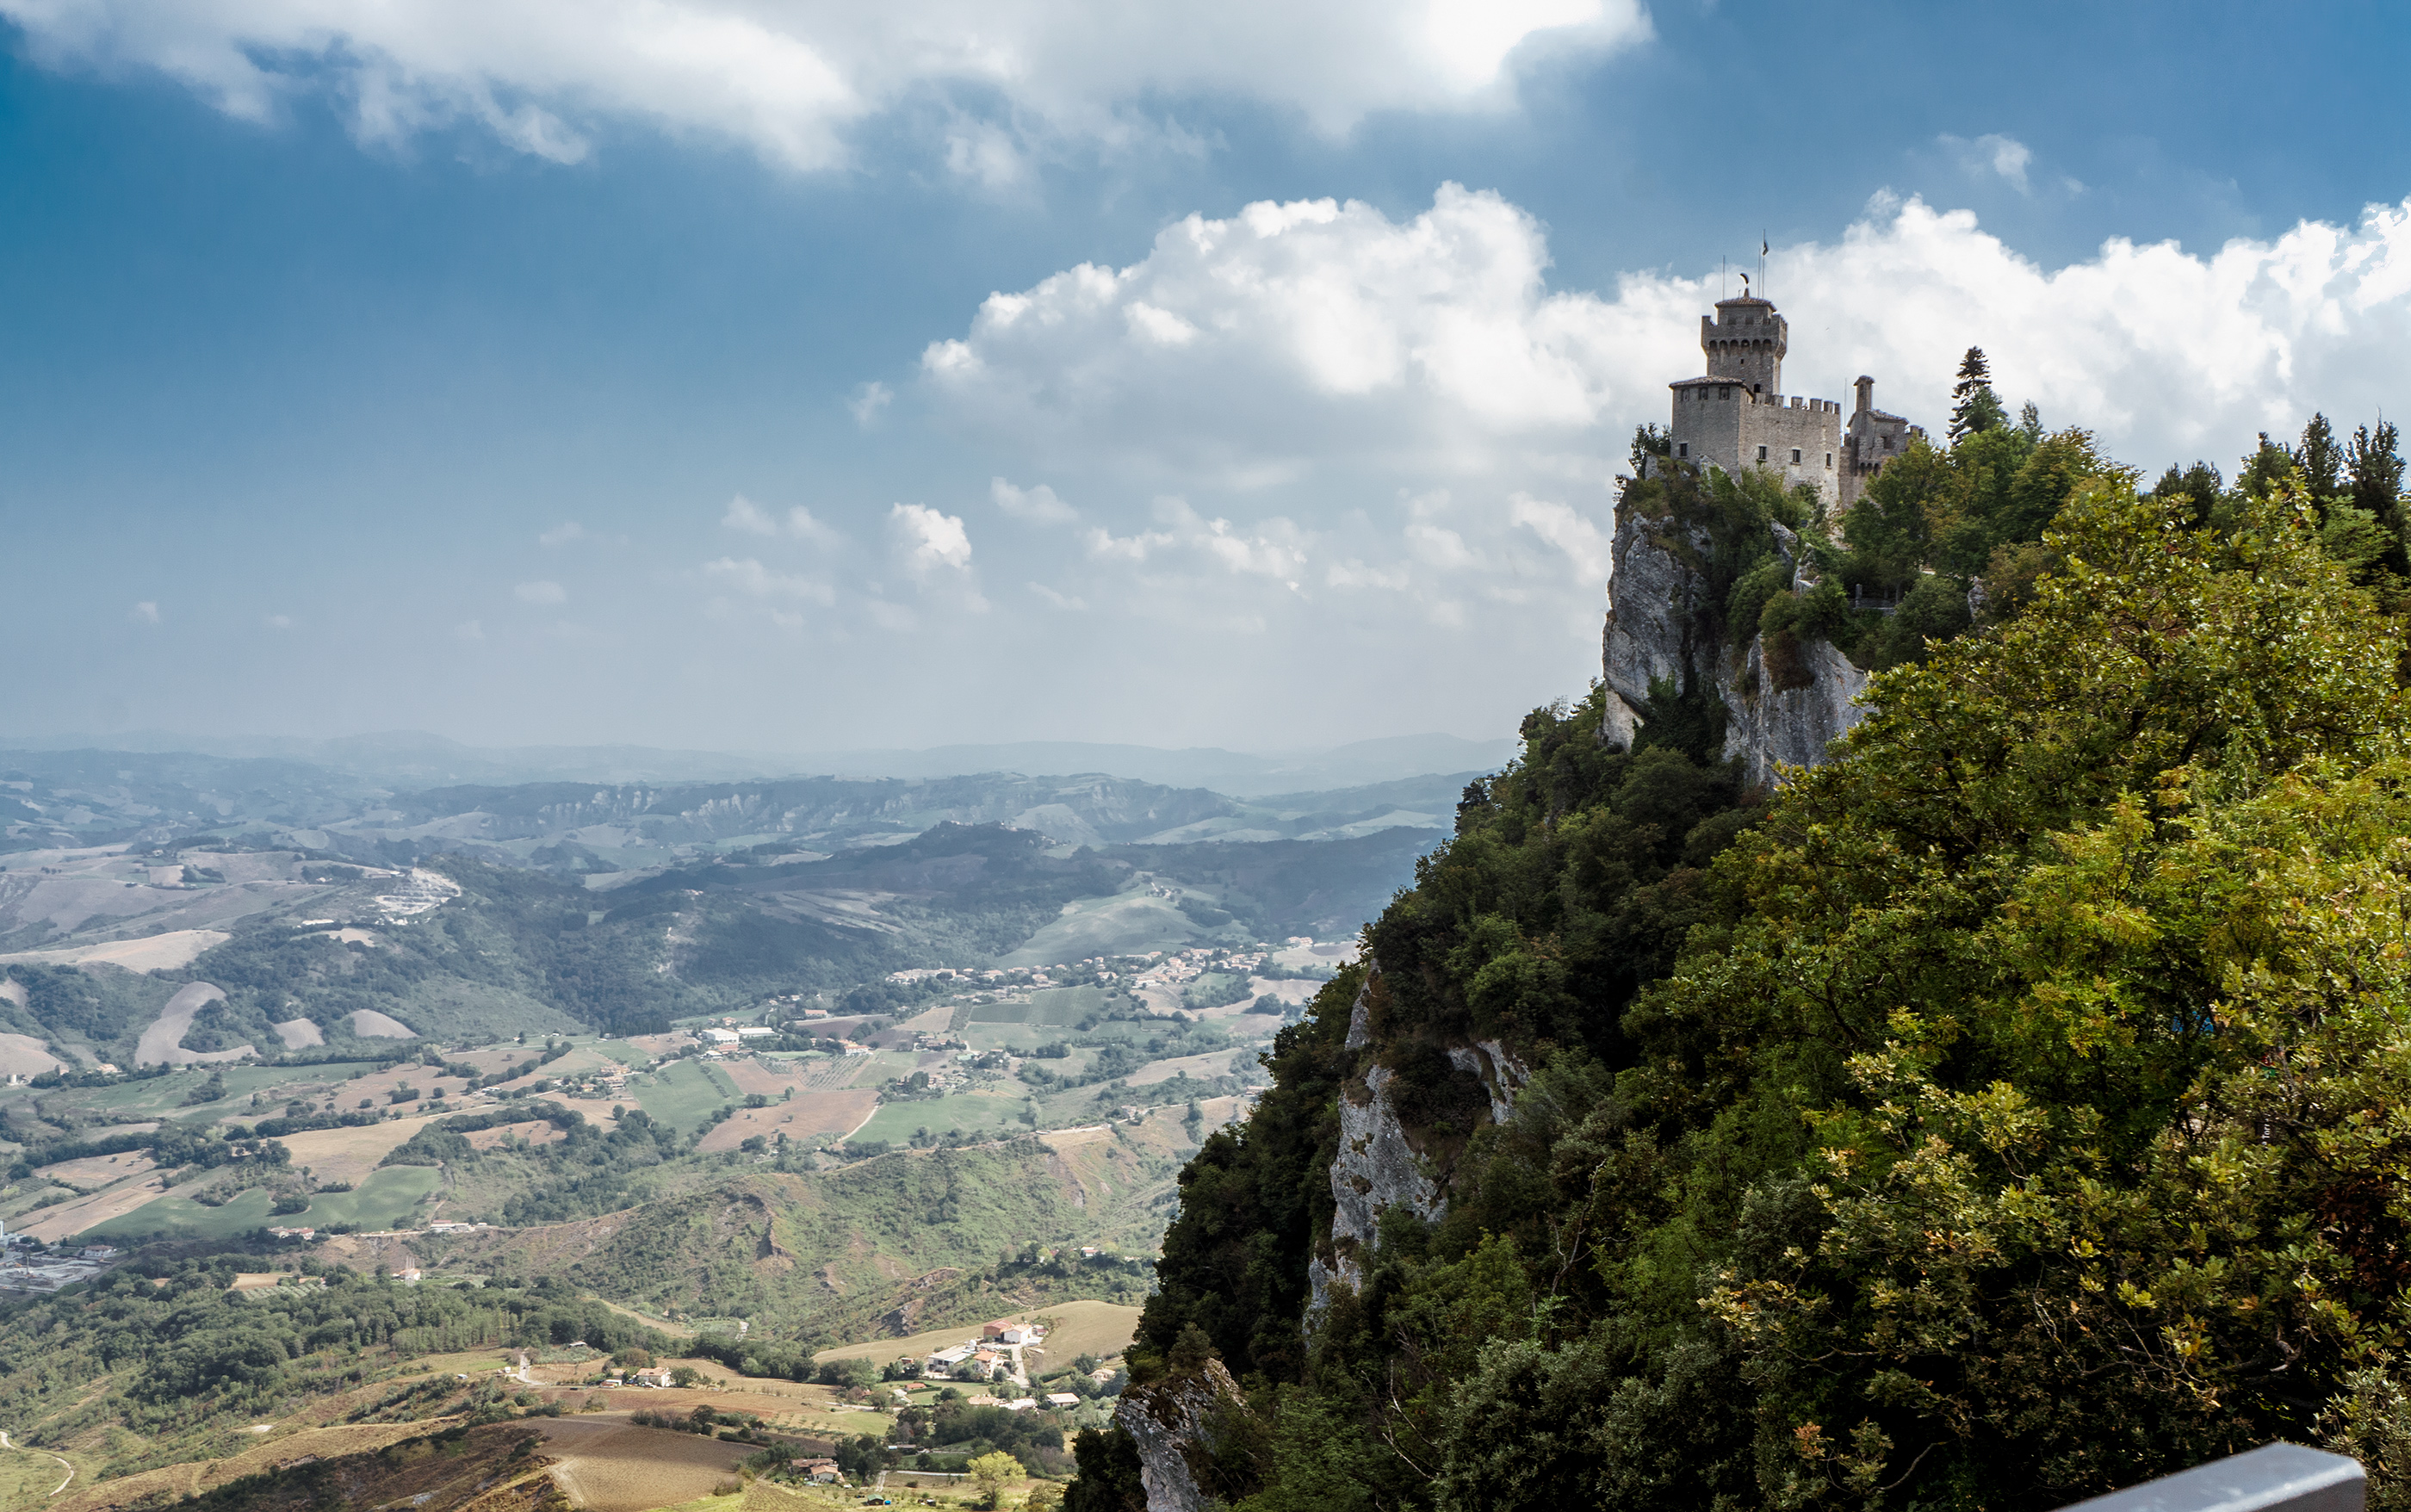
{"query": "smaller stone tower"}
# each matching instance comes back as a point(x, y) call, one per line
point(1744, 341)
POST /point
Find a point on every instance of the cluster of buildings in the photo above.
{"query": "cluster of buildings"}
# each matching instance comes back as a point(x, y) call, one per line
point(995, 1354)
point(25, 1265)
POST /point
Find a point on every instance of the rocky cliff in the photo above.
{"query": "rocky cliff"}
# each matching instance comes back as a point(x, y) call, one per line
point(1171, 1423)
point(1783, 702)
point(1783, 699)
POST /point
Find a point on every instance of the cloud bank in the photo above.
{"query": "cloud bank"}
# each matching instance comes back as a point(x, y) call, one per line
point(1315, 425)
point(790, 78)
point(1318, 338)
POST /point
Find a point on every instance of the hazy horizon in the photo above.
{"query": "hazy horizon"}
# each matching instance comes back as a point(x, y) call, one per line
point(1257, 384)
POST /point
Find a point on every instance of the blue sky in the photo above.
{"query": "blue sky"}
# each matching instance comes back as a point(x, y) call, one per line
point(467, 372)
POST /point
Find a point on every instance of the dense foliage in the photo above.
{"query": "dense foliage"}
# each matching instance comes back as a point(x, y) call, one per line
point(2003, 1111)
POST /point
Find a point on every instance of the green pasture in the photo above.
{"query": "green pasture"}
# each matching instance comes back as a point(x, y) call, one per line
point(973, 1113)
point(1057, 1007)
point(684, 1093)
point(385, 1200)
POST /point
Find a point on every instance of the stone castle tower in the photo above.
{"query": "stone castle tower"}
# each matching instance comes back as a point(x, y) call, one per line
point(1736, 417)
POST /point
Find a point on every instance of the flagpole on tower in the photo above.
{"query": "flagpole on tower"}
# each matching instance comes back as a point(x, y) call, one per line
point(1762, 250)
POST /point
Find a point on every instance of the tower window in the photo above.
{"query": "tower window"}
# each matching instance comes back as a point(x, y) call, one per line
point(1761, 453)
point(1795, 457)
point(1682, 448)
point(1829, 461)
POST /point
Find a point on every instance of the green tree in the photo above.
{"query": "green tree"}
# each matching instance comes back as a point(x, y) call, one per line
point(2321, 461)
point(1974, 407)
point(992, 1472)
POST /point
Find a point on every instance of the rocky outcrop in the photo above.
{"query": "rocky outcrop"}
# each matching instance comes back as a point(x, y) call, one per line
point(1172, 1422)
point(1377, 1167)
point(1784, 703)
point(1502, 1075)
point(1789, 714)
point(1649, 618)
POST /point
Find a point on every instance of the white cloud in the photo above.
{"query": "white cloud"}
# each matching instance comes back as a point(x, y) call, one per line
point(869, 401)
point(1354, 574)
point(1248, 349)
point(747, 516)
point(1060, 600)
point(1338, 347)
point(1584, 544)
point(1992, 152)
point(750, 577)
point(931, 540)
point(278, 621)
point(542, 591)
point(744, 514)
point(562, 533)
point(791, 79)
point(1038, 506)
point(469, 629)
point(145, 613)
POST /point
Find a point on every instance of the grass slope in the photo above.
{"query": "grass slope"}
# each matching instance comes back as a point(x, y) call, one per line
point(384, 1200)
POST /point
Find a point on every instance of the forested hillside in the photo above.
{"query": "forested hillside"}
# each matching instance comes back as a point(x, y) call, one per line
point(2000, 1112)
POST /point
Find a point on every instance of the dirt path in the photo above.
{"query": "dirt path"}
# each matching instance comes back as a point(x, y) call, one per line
point(62, 1485)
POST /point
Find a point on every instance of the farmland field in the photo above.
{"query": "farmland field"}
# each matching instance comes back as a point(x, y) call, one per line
point(349, 1153)
point(973, 1113)
point(808, 1115)
point(1058, 1006)
point(1082, 1328)
point(684, 1094)
point(382, 1202)
point(607, 1465)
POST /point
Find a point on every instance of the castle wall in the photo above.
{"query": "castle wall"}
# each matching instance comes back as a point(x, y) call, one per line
point(1723, 425)
point(1811, 428)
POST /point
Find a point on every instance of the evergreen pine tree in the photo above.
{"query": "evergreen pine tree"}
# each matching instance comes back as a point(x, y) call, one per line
point(1973, 406)
point(2321, 460)
point(2375, 466)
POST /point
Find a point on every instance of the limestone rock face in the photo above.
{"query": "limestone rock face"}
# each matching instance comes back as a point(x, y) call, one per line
point(1169, 1421)
point(1649, 606)
point(1375, 1168)
point(1785, 714)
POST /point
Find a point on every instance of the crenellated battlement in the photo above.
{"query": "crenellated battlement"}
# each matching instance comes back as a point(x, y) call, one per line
point(1736, 416)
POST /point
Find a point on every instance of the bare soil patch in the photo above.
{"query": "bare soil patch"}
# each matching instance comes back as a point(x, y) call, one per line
point(606, 1464)
point(752, 1076)
point(837, 1112)
point(94, 1171)
point(157, 952)
point(348, 1154)
point(21, 1055)
point(164, 1041)
point(74, 1218)
point(1081, 1328)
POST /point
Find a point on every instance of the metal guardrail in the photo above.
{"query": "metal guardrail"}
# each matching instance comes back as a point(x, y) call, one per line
point(2275, 1477)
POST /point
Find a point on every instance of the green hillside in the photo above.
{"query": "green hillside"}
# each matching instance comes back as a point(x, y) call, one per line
point(1974, 1114)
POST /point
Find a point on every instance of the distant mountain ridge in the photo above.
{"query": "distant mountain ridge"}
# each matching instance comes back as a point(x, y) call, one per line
point(407, 760)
